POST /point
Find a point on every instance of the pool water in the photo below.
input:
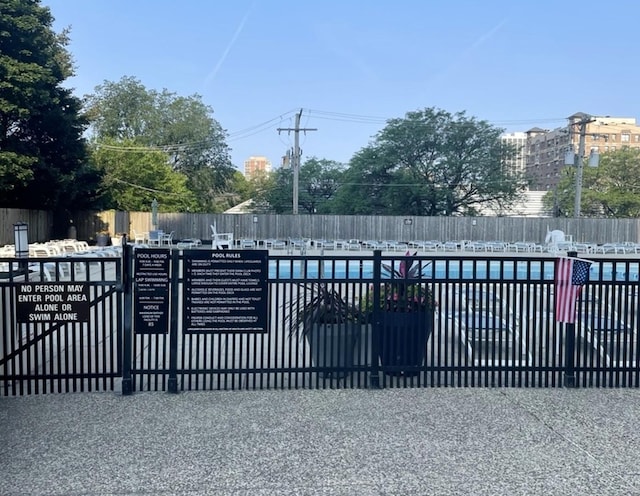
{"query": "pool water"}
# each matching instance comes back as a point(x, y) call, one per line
point(449, 269)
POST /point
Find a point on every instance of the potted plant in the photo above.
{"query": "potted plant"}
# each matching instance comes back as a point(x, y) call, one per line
point(102, 238)
point(331, 326)
point(406, 308)
point(117, 239)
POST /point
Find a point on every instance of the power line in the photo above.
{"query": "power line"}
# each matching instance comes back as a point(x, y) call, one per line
point(312, 113)
point(144, 188)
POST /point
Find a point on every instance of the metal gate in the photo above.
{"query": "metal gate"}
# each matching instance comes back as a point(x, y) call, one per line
point(61, 324)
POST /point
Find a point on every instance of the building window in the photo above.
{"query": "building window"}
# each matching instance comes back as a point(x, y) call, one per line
point(624, 137)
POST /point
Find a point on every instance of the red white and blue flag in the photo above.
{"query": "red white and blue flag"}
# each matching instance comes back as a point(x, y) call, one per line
point(571, 275)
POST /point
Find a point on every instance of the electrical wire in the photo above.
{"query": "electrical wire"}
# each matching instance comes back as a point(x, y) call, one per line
point(311, 113)
point(144, 188)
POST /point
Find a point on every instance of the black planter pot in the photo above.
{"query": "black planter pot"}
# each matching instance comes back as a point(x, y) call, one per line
point(332, 346)
point(102, 240)
point(403, 341)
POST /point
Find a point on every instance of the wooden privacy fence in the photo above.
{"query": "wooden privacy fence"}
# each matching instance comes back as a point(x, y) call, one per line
point(399, 228)
point(333, 227)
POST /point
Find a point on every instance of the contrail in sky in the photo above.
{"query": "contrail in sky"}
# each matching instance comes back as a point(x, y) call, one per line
point(457, 61)
point(212, 75)
point(487, 35)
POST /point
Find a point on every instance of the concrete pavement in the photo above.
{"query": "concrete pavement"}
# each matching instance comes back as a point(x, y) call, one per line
point(323, 442)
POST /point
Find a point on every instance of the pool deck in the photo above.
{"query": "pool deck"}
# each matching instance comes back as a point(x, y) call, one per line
point(444, 441)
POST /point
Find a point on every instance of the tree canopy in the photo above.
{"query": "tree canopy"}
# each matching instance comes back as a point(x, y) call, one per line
point(132, 180)
point(318, 181)
point(181, 127)
point(431, 162)
point(610, 190)
point(42, 151)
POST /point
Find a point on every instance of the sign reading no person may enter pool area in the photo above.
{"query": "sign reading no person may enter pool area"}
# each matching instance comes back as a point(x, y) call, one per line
point(52, 303)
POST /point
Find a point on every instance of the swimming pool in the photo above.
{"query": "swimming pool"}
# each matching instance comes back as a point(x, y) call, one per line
point(450, 269)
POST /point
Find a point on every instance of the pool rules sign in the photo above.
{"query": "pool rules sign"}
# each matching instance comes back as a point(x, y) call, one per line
point(225, 291)
point(54, 303)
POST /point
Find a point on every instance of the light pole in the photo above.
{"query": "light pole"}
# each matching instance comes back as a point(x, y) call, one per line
point(21, 245)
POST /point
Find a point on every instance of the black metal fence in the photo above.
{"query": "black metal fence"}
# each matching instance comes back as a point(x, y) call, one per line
point(491, 324)
point(338, 321)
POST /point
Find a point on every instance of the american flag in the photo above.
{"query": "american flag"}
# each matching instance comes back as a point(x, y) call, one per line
point(571, 275)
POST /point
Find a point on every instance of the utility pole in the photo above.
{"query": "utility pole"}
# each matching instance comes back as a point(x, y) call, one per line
point(295, 162)
point(580, 162)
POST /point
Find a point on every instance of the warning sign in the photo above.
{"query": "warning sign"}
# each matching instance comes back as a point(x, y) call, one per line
point(58, 302)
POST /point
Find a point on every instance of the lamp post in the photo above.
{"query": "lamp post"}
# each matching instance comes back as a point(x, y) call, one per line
point(21, 244)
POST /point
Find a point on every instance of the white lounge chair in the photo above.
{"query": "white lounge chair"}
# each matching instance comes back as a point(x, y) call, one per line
point(220, 241)
point(140, 237)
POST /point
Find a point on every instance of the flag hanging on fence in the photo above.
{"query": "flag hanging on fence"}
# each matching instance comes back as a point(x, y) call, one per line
point(571, 275)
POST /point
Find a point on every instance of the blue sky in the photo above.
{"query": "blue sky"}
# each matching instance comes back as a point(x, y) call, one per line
point(353, 64)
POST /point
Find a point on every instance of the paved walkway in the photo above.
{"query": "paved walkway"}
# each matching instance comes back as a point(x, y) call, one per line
point(323, 442)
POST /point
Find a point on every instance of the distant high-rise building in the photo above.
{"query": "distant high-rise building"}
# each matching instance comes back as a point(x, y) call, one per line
point(519, 141)
point(546, 150)
point(256, 164)
point(286, 160)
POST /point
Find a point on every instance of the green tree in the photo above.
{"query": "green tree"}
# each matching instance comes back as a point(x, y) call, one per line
point(431, 163)
point(610, 190)
point(318, 181)
point(261, 185)
point(42, 153)
point(276, 194)
point(132, 180)
point(183, 127)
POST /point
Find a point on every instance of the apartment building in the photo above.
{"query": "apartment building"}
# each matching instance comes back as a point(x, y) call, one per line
point(256, 164)
point(546, 150)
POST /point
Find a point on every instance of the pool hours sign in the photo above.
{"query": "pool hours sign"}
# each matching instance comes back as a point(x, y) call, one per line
point(52, 302)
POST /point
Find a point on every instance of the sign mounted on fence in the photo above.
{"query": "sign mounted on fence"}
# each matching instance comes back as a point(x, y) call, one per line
point(225, 291)
point(60, 302)
point(151, 295)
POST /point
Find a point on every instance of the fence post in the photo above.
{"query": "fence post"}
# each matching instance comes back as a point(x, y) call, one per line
point(569, 349)
point(127, 385)
point(173, 324)
point(374, 378)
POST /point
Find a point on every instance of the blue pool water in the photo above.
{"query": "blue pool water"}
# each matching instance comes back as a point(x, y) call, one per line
point(451, 269)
